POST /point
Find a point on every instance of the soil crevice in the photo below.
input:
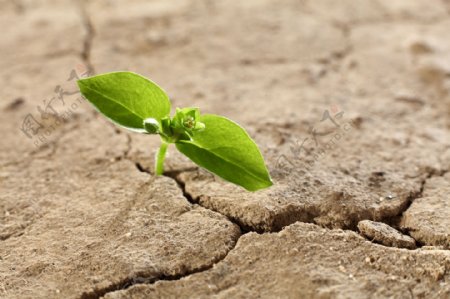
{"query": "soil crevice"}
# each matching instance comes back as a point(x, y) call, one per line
point(89, 35)
point(149, 279)
point(144, 279)
point(174, 174)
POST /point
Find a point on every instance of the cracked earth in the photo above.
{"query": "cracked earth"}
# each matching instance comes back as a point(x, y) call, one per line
point(348, 100)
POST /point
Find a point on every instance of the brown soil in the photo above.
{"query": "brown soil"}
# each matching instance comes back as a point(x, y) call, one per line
point(349, 102)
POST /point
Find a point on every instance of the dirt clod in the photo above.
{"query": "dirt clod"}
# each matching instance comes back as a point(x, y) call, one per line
point(385, 234)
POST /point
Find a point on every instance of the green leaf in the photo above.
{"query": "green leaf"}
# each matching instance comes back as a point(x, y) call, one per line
point(126, 98)
point(226, 149)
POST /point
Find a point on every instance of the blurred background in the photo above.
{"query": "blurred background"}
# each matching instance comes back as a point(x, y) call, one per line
point(250, 60)
point(259, 62)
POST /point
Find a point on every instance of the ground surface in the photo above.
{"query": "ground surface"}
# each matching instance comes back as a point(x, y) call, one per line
point(348, 100)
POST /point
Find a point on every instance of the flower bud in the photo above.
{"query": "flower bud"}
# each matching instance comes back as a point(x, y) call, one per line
point(151, 125)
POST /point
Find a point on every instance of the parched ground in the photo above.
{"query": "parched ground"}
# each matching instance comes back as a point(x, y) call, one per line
point(348, 100)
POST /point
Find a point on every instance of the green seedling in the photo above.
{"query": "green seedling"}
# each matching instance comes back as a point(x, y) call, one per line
point(211, 141)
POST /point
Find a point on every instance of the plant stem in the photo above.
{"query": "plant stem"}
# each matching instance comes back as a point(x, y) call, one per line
point(159, 165)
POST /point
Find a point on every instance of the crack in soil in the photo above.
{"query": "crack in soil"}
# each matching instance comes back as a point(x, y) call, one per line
point(142, 279)
point(389, 220)
point(174, 174)
point(15, 234)
point(431, 174)
point(392, 221)
point(85, 53)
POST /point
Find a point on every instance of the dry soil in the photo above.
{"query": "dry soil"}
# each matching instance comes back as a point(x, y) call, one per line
point(348, 100)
